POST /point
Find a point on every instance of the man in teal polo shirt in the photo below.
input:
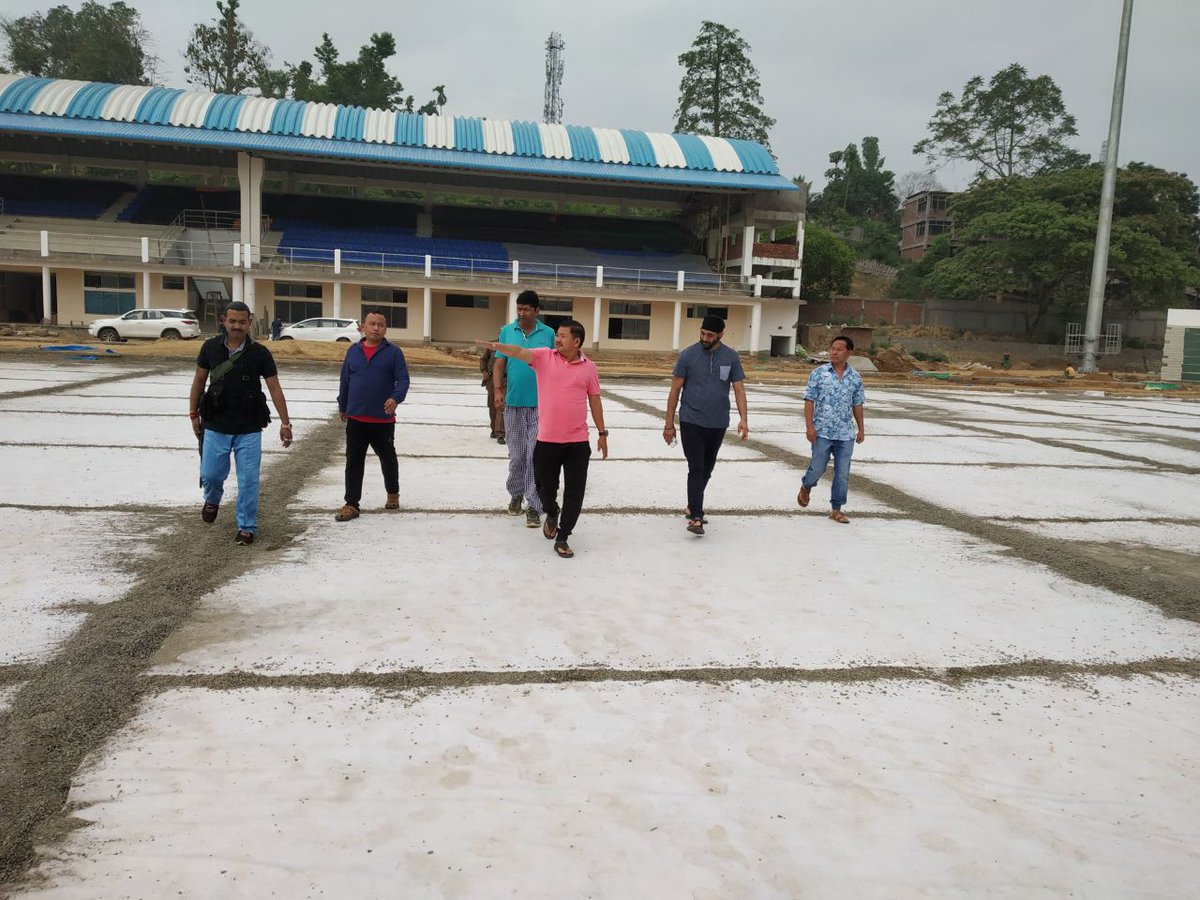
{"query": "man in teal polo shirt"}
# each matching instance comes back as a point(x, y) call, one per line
point(515, 388)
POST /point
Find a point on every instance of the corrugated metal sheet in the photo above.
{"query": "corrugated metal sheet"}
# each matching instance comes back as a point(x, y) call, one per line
point(256, 115)
point(56, 98)
point(122, 104)
point(189, 111)
point(388, 153)
point(666, 152)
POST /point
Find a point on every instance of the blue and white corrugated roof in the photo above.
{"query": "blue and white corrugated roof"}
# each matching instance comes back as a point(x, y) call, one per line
point(138, 112)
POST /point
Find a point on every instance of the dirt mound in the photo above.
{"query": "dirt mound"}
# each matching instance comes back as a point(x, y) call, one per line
point(894, 359)
point(938, 332)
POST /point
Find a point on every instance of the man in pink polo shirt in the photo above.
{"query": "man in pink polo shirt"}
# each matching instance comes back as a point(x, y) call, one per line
point(568, 385)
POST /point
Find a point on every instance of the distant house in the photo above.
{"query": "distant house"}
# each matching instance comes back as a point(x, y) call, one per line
point(923, 218)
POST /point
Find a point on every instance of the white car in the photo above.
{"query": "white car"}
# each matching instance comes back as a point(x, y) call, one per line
point(168, 324)
point(345, 330)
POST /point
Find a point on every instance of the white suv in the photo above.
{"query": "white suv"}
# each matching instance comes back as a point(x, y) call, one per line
point(168, 324)
point(323, 329)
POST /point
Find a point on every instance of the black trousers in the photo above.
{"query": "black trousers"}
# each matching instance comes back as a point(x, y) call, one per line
point(380, 437)
point(572, 460)
point(700, 446)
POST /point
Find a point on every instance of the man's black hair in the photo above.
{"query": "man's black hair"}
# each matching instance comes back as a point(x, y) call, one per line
point(529, 298)
point(849, 342)
point(576, 329)
point(238, 306)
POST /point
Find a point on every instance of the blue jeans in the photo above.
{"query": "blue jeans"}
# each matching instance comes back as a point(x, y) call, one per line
point(841, 451)
point(214, 469)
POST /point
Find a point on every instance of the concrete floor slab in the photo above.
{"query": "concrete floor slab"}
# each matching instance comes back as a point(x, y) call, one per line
point(1019, 788)
point(668, 599)
point(141, 406)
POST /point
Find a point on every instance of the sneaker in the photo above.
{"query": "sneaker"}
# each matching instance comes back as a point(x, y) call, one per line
point(244, 537)
point(695, 526)
point(514, 506)
point(501, 440)
point(208, 512)
point(532, 519)
point(550, 527)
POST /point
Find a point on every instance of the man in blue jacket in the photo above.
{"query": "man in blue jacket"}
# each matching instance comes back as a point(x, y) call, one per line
point(374, 383)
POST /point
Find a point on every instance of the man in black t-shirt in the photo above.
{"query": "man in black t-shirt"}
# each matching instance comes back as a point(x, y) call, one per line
point(233, 414)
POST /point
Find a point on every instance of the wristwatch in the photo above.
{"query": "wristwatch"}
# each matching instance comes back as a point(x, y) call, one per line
point(603, 433)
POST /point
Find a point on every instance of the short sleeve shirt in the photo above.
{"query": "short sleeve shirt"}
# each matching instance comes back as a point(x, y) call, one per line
point(239, 384)
point(563, 391)
point(707, 375)
point(833, 401)
point(522, 384)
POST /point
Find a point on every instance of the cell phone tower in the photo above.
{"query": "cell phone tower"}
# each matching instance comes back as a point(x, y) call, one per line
point(553, 109)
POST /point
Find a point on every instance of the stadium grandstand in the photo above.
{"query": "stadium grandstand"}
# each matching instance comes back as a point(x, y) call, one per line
point(114, 197)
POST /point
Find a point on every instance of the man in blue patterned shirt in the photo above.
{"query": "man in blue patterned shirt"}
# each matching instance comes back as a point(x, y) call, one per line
point(833, 423)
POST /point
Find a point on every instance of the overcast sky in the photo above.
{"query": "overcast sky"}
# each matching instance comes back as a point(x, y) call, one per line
point(832, 70)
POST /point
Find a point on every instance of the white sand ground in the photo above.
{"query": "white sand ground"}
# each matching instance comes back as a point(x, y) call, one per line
point(664, 603)
point(1022, 789)
point(1049, 493)
point(67, 562)
point(1153, 535)
point(1005, 787)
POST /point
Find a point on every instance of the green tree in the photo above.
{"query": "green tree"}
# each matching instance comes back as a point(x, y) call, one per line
point(828, 266)
point(912, 283)
point(363, 81)
point(858, 184)
point(1015, 125)
point(97, 43)
point(720, 94)
point(224, 57)
point(1034, 237)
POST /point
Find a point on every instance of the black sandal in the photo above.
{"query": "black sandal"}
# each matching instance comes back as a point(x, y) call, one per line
point(550, 527)
point(563, 550)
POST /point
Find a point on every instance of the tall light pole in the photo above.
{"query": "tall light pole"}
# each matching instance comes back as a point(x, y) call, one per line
point(1095, 309)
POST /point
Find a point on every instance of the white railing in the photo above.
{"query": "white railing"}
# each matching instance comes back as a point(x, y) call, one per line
point(170, 249)
point(496, 271)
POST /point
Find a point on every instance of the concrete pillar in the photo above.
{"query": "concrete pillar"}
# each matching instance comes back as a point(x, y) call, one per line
point(678, 323)
point(427, 316)
point(596, 325)
point(799, 270)
point(512, 304)
point(145, 289)
point(747, 252)
point(250, 178)
point(248, 290)
point(237, 286)
point(337, 299)
point(755, 327)
point(47, 313)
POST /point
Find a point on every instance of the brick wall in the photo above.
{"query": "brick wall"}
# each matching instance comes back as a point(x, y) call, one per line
point(869, 312)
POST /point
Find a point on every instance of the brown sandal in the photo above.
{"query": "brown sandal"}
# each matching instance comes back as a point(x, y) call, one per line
point(838, 516)
point(393, 502)
point(346, 513)
point(802, 497)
